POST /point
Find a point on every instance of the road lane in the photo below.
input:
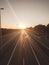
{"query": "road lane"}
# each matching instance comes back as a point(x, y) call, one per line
point(6, 42)
point(28, 55)
point(7, 50)
point(23, 54)
point(42, 45)
point(39, 51)
point(23, 50)
point(7, 37)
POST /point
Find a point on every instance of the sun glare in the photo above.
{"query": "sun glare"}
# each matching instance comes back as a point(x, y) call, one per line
point(21, 26)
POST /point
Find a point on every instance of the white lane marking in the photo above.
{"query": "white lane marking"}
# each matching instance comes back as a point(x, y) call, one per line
point(23, 62)
point(35, 55)
point(12, 53)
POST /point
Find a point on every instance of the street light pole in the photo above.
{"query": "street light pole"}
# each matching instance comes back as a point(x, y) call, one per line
point(0, 26)
point(0, 18)
point(0, 15)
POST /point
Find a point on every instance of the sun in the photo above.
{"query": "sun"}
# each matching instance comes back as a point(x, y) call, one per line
point(21, 26)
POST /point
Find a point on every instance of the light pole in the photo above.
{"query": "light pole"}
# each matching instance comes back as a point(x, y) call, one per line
point(0, 26)
point(0, 15)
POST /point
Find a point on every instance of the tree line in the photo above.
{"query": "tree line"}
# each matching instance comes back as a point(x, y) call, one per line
point(41, 30)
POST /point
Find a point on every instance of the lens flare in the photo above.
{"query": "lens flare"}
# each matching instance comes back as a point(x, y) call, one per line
point(21, 26)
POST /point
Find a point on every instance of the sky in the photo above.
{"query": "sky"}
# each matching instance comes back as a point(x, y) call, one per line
point(28, 12)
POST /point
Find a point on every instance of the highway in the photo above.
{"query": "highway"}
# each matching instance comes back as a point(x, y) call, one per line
point(23, 48)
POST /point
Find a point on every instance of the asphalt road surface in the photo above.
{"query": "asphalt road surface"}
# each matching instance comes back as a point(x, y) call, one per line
point(23, 48)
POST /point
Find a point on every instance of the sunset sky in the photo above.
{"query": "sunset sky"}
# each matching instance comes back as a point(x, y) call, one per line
point(28, 12)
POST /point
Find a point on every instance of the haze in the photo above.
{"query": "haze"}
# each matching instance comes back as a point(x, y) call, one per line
point(28, 12)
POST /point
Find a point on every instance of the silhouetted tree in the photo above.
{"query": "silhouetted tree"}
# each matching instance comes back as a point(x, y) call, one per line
point(48, 31)
point(40, 29)
point(48, 28)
